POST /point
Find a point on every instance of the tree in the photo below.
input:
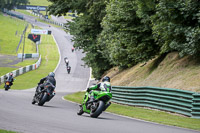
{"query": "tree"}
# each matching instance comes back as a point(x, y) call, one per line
point(10, 4)
point(176, 26)
point(127, 39)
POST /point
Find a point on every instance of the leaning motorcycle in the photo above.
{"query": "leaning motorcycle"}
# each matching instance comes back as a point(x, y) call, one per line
point(95, 108)
point(44, 95)
point(7, 85)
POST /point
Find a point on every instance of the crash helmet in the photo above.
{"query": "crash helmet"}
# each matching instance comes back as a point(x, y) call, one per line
point(106, 78)
point(52, 74)
point(11, 74)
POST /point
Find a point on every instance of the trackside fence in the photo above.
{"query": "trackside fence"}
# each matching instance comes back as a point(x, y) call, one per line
point(21, 70)
point(172, 100)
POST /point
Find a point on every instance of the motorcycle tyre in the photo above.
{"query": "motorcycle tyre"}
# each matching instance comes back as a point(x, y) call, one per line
point(6, 87)
point(80, 112)
point(33, 101)
point(43, 100)
point(99, 110)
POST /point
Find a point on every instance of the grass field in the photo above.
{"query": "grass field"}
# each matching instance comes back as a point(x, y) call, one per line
point(145, 114)
point(9, 40)
point(5, 70)
point(39, 2)
point(11, 31)
point(5, 131)
point(50, 57)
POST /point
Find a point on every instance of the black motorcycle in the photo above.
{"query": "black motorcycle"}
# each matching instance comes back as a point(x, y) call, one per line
point(68, 69)
point(44, 95)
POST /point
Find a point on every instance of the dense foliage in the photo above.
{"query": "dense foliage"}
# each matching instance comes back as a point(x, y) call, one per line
point(10, 4)
point(124, 33)
point(176, 26)
point(125, 37)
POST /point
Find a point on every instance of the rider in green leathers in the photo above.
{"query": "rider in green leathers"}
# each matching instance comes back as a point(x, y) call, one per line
point(102, 86)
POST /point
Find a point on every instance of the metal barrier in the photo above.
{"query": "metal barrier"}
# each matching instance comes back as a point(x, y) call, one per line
point(196, 105)
point(13, 14)
point(172, 100)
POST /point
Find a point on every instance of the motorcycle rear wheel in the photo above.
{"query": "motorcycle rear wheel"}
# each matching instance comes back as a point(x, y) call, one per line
point(99, 108)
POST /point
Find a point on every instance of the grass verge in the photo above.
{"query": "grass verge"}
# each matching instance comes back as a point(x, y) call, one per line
point(5, 70)
point(39, 2)
point(26, 63)
point(160, 117)
point(4, 131)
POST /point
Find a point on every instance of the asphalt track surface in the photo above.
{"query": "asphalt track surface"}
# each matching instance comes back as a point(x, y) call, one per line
point(59, 116)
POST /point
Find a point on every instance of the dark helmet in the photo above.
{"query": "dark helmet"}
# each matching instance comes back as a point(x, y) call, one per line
point(52, 74)
point(106, 78)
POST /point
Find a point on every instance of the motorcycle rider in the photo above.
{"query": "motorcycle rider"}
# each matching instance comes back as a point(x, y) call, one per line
point(66, 61)
point(68, 69)
point(102, 86)
point(10, 78)
point(44, 81)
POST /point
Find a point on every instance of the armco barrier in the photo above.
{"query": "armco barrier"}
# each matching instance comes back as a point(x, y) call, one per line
point(172, 100)
point(196, 105)
point(13, 14)
point(53, 22)
point(21, 70)
point(33, 55)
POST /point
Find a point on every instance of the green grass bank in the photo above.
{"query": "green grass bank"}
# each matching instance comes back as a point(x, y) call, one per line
point(11, 31)
point(5, 131)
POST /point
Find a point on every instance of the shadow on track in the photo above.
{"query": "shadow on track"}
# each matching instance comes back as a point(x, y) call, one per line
point(47, 106)
point(98, 118)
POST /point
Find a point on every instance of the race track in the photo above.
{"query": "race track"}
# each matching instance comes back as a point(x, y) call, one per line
point(59, 116)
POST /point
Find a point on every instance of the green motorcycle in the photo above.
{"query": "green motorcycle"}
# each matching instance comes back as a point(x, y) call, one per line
point(96, 107)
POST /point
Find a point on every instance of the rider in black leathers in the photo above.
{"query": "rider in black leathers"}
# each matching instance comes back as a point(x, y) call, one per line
point(10, 78)
point(44, 81)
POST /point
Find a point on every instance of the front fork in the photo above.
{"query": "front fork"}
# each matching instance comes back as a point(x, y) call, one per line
point(107, 105)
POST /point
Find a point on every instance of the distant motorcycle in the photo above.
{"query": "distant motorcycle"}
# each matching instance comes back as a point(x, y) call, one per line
point(95, 108)
point(68, 69)
point(9, 81)
point(44, 95)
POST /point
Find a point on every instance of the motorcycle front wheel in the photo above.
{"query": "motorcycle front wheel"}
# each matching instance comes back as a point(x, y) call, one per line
point(43, 100)
point(33, 101)
point(97, 109)
point(6, 87)
point(80, 111)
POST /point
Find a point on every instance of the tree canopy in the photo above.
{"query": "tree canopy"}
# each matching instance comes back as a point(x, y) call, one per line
point(10, 4)
point(124, 33)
